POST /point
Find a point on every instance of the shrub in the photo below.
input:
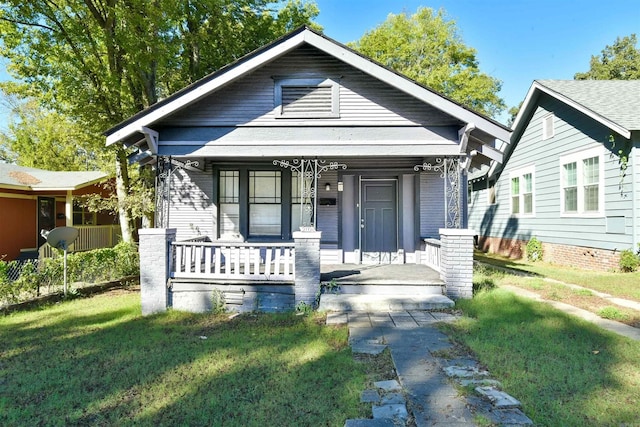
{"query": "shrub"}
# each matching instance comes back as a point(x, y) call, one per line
point(629, 261)
point(91, 266)
point(218, 302)
point(534, 250)
point(24, 286)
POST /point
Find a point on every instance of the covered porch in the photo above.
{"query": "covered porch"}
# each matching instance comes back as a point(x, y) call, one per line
point(308, 150)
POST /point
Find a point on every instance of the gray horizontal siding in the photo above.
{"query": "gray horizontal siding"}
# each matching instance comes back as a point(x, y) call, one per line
point(431, 204)
point(192, 209)
point(363, 99)
point(328, 215)
point(573, 132)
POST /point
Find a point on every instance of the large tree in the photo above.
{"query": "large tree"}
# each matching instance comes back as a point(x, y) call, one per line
point(40, 138)
point(620, 61)
point(426, 47)
point(100, 61)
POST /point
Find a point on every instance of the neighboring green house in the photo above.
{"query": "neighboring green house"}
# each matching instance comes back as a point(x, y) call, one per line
point(571, 176)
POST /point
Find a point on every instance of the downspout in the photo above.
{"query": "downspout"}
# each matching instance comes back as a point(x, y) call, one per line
point(635, 197)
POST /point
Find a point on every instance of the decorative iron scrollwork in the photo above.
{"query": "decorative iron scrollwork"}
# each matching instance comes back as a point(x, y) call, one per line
point(166, 167)
point(451, 174)
point(309, 171)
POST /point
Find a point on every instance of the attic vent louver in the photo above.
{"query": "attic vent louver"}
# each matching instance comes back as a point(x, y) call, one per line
point(548, 130)
point(308, 98)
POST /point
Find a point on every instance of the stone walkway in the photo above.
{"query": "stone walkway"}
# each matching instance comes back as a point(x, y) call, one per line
point(425, 394)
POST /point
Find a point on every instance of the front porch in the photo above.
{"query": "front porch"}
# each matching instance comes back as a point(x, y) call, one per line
point(280, 276)
point(382, 287)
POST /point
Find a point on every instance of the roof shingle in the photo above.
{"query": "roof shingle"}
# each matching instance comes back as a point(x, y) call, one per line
point(615, 100)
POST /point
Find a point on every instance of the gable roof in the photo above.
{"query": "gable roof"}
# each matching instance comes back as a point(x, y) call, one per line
point(304, 35)
point(25, 178)
point(613, 103)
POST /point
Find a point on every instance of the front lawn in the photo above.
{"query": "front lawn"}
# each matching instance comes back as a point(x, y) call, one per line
point(565, 371)
point(623, 285)
point(97, 361)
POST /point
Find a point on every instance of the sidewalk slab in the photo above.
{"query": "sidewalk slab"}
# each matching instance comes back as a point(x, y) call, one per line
point(499, 399)
point(396, 411)
point(367, 422)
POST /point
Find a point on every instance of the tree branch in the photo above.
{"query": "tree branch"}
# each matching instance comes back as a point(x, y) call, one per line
point(27, 24)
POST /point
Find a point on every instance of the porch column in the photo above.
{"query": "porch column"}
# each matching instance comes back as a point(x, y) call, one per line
point(307, 266)
point(68, 209)
point(154, 268)
point(456, 261)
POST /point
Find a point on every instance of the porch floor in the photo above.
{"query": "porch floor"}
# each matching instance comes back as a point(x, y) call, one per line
point(380, 274)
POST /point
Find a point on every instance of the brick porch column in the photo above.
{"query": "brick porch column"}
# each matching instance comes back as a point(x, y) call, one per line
point(307, 266)
point(456, 261)
point(154, 268)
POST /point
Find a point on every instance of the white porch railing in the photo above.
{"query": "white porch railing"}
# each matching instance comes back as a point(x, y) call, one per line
point(89, 237)
point(233, 261)
point(431, 253)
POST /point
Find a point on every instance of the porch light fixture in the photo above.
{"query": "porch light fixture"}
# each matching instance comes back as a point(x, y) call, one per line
point(327, 187)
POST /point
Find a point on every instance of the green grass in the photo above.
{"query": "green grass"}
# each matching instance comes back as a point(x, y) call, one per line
point(565, 371)
point(623, 285)
point(97, 361)
point(486, 277)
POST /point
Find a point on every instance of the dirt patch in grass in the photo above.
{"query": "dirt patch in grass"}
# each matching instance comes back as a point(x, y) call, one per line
point(377, 367)
point(581, 298)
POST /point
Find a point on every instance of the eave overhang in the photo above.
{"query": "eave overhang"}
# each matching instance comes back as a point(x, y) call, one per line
point(130, 129)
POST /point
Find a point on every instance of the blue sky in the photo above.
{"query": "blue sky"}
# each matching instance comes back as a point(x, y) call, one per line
point(516, 41)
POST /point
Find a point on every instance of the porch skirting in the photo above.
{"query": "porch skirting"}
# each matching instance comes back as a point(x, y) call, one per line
point(238, 297)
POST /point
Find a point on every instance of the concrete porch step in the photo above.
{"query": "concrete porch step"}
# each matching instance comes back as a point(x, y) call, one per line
point(393, 289)
point(382, 303)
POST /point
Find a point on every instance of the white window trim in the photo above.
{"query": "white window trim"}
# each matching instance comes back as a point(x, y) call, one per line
point(519, 173)
point(307, 81)
point(578, 158)
point(548, 129)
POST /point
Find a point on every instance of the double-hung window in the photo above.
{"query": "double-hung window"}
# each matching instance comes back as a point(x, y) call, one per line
point(522, 194)
point(229, 208)
point(265, 203)
point(250, 204)
point(582, 183)
point(82, 215)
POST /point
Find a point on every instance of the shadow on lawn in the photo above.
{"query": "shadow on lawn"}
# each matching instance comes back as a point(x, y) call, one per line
point(554, 363)
point(115, 367)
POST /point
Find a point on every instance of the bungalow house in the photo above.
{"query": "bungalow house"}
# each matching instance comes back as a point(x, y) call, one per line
point(304, 142)
point(33, 200)
point(571, 176)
